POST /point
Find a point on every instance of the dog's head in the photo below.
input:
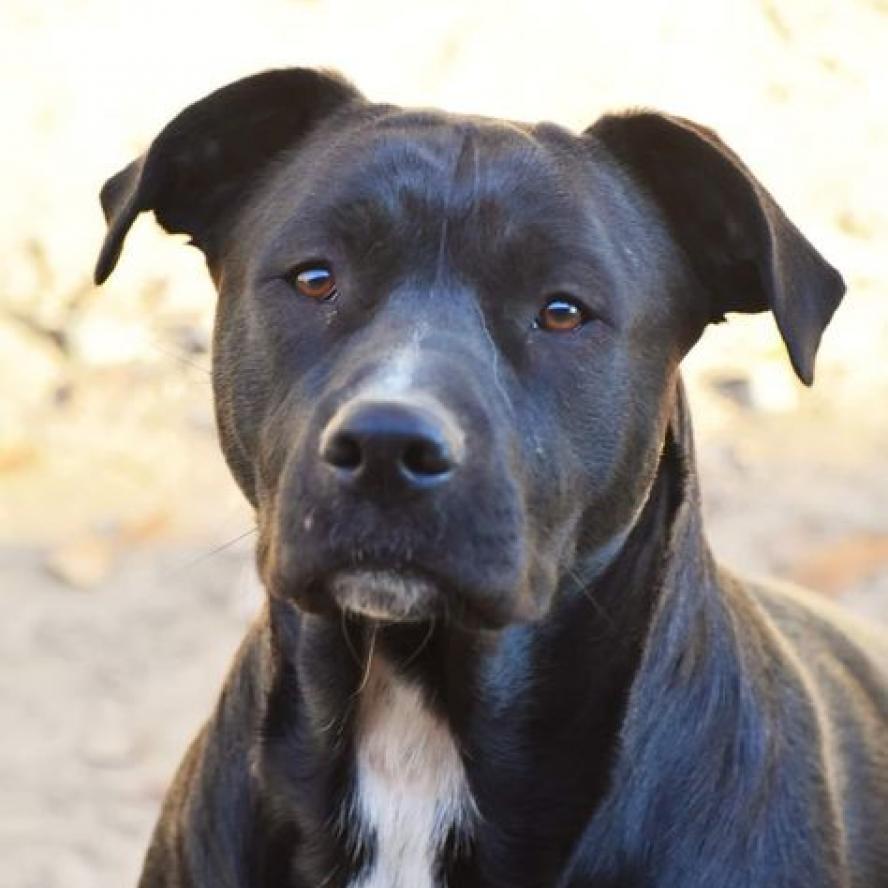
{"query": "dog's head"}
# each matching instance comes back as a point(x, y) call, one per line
point(446, 347)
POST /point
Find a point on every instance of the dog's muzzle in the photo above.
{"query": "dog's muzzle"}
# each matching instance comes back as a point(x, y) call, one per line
point(387, 451)
point(399, 506)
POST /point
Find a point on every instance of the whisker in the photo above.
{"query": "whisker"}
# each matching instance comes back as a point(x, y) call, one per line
point(370, 649)
point(174, 572)
point(177, 356)
point(422, 645)
point(605, 616)
point(348, 642)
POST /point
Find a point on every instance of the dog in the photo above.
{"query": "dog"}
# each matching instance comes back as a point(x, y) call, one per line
point(496, 649)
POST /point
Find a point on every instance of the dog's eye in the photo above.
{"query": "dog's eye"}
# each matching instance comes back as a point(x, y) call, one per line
point(561, 315)
point(315, 281)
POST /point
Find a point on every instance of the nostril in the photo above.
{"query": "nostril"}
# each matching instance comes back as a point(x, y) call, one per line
point(384, 448)
point(343, 451)
point(426, 457)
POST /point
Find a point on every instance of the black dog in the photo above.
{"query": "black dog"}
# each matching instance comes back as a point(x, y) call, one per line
point(497, 651)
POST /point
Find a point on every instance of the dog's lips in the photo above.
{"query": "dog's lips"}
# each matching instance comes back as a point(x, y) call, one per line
point(383, 585)
point(381, 594)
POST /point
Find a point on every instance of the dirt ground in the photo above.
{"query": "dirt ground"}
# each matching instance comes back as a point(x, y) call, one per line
point(125, 550)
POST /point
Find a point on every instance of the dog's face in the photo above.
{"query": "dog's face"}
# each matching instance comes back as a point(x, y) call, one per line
point(446, 347)
point(451, 364)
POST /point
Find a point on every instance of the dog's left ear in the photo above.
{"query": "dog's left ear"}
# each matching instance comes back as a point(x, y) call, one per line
point(743, 249)
point(203, 163)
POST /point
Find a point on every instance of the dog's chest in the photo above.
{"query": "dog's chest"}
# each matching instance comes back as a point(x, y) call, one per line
point(411, 792)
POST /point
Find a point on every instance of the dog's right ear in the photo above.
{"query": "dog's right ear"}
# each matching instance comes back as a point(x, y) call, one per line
point(204, 161)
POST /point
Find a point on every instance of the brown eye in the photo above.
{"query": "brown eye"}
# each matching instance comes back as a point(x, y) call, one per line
point(561, 315)
point(315, 281)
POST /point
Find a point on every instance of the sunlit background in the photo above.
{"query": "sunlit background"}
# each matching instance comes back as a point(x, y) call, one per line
point(125, 551)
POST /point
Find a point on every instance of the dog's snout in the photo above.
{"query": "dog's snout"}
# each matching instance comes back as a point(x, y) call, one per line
point(391, 445)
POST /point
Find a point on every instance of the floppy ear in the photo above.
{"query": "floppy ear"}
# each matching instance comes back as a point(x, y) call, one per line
point(744, 251)
point(203, 162)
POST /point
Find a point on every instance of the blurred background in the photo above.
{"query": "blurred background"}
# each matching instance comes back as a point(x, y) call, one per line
point(125, 551)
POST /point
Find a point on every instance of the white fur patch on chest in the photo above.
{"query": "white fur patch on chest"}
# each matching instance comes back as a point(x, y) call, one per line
point(411, 787)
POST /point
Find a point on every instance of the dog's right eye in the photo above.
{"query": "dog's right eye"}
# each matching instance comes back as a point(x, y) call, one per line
point(561, 315)
point(316, 281)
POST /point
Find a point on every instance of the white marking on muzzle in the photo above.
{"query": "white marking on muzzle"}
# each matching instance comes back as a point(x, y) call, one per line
point(396, 376)
point(395, 381)
point(411, 790)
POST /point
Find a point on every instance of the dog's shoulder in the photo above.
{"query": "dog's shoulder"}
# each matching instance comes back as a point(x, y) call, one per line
point(826, 636)
point(200, 835)
point(830, 656)
point(843, 664)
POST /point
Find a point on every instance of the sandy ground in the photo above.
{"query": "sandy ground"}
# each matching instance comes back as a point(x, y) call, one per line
point(125, 550)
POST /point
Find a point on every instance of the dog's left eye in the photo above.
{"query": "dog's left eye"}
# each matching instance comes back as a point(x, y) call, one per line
point(315, 281)
point(561, 315)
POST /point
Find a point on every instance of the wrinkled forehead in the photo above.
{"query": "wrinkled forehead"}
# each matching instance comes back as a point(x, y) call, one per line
point(450, 165)
point(419, 177)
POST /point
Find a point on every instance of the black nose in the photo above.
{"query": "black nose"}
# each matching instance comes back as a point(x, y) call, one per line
point(391, 446)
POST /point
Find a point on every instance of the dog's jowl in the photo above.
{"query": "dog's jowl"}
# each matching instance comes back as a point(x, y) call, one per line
point(496, 650)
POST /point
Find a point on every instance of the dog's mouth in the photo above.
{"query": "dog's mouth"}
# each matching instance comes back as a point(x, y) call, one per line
point(392, 591)
point(385, 595)
point(384, 571)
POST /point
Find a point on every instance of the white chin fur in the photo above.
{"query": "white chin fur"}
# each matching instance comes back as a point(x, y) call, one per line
point(384, 595)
